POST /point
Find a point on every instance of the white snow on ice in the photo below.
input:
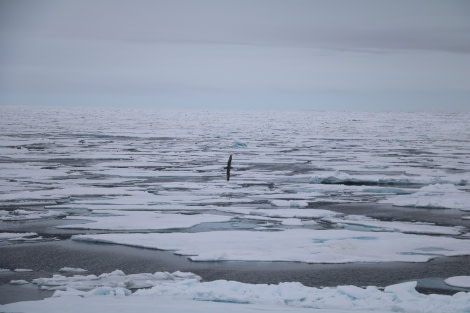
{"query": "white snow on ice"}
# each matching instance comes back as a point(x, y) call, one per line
point(144, 220)
point(459, 281)
point(404, 227)
point(281, 213)
point(185, 292)
point(296, 245)
point(439, 196)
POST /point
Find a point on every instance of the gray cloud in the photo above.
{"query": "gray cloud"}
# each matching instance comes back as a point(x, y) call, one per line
point(292, 53)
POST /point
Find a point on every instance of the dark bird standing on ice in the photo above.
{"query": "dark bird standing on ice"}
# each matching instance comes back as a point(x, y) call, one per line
point(228, 167)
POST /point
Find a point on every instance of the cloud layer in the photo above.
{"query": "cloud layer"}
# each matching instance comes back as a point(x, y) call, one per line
point(265, 54)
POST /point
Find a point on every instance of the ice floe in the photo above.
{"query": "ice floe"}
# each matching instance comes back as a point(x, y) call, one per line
point(72, 270)
point(434, 196)
point(459, 281)
point(145, 220)
point(182, 292)
point(114, 279)
point(296, 245)
point(343, 178)
point(18, 282)
point(281, 213)
point(404, 227)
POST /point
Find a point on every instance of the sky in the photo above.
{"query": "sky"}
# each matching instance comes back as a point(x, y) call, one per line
point(262, 54)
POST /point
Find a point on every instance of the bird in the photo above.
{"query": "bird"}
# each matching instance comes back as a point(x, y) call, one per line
point(228, 167)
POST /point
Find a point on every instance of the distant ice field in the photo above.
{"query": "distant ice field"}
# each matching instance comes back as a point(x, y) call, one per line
point(151, 171)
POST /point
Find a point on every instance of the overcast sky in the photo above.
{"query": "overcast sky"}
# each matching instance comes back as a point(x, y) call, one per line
point(296, 54)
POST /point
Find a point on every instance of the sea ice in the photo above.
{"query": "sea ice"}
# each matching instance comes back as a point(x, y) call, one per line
point(281, 213)
point(458, 281)
point(114, 279)
point(72, 270)
point(296, 245)
point(18, 282)
point(292, 222)
point(289, 203)
point(434, 196)
point(21, 215)
point(239, 144)
point(16, 236)
point(144, 220)
point(60, 193)
point(101, 165)
point(183, 292)
point(343, 178)
point(404, 227)
point(340, 177)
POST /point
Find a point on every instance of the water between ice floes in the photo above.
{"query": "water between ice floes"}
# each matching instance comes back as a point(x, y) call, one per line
point(141, 175)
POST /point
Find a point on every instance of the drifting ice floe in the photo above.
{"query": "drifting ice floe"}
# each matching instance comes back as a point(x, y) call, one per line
point(404, 227)
point(296, 245)
point(18, 282)
point(342, 178)
point(459, 281)
point(434, 196)
point(116, 279)
point(281, 213)
point(183, 292)
point(144, 220)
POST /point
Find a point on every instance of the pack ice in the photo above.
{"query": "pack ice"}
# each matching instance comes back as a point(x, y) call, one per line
point(185, 292)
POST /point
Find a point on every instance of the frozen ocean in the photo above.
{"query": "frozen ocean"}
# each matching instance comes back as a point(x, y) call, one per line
point(104, 208)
